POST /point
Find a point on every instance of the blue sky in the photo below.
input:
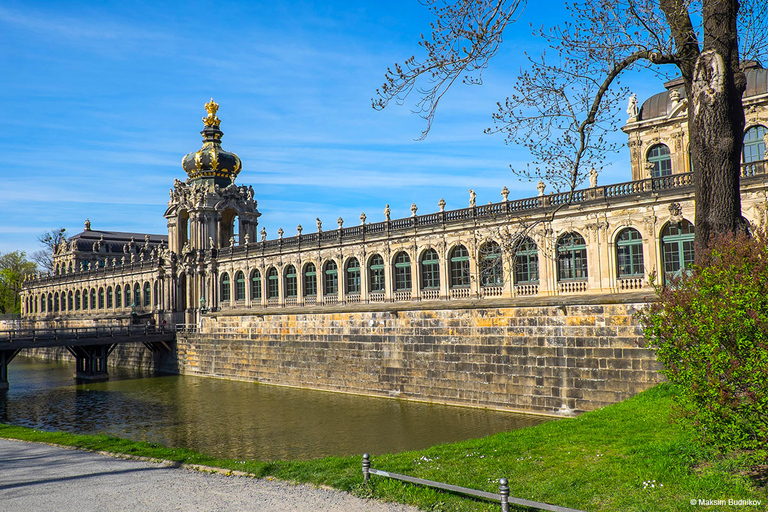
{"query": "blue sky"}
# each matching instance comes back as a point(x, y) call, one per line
point(103, 99)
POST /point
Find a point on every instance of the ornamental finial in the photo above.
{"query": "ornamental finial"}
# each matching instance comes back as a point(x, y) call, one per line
point(211, 120)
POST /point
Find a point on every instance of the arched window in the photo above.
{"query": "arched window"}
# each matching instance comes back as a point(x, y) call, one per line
point(754, 144)
point(659, 157)
point(136, 294)
point(677, 247)
point(50, 303)
point(353, 276)
point(147, 294)
point(70, 267)
point(629, 253)
point(127, 294)
point(430, 270)
point(273, 281)
point(118, 297)
point(239, 285)
point(571, 257)
point(255, 285)
point(56, 301)
point(93, 299)
point(70, 301)
point(310, 280)
point(77, 300)
point(101, 298)
point(526, 261)
point(491, 265)
point(376, 273)
point(330, 278)
point(225, 290)
point(109, 297)
point(459, 267)
point(402, 272)
point(291, 283)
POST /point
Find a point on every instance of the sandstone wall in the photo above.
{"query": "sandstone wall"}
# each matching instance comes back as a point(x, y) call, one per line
point(546, 358)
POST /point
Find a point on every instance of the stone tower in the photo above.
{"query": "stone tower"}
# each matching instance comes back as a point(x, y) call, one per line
point(207, 213)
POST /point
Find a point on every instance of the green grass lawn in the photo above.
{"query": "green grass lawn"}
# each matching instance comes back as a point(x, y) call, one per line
point(623, 458)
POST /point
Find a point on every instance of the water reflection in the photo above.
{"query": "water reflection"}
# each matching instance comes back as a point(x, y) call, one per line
point(235, 419)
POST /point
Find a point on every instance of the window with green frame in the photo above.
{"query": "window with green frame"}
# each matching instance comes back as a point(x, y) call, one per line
point(310, 280)
point(430, 270)
point(101, 298)
point(118, 297)
point(147, 294)
point(256, 285)
point(127, 295)
point(330, 278)
point(526, 262)
point(353, 275)
point(571, 257)
point(629, 253)
point(109, 297)
point(56, 301)
point(659, 157)
point(273, 283)
point(93, 298)
point(459, 267)
point(239, 285)
point(754, 144)
point(225, 288)
point(291, 283)
point(376, 273)
point(677, 247)
point(77, 301)
point(402, 272)
point(491, 265)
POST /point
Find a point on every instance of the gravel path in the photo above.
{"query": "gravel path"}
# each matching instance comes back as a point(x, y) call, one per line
point(37, 477)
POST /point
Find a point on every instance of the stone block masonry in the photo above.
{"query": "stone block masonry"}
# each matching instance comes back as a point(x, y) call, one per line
point(546, 357)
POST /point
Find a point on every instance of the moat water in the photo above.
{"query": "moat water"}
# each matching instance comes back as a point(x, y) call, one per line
point(235, 419)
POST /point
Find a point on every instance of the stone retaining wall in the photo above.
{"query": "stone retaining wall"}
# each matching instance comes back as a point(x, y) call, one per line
point(551, 359)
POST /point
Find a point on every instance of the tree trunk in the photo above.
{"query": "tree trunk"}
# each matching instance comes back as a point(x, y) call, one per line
point(716, 124)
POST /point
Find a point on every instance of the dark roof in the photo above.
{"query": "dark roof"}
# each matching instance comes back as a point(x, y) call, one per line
point(660, 105)
point(114, 241)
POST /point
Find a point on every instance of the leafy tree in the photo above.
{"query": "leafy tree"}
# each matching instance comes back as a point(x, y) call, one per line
point(710, 331)
point(51, 240)
point(561, 107)
point(13, 267)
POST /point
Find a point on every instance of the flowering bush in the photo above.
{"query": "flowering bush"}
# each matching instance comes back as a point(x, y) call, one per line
point(710, 331)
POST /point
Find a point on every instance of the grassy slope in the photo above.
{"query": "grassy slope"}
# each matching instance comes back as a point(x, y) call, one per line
point(597, 462)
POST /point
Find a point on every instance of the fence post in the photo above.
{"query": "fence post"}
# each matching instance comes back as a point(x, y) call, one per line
point(366, 467)
point(504, 494)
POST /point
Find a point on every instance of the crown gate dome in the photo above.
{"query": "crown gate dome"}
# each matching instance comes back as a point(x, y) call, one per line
point(210, 161)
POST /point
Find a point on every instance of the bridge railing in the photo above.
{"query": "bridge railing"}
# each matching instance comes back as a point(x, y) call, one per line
point(27, 334)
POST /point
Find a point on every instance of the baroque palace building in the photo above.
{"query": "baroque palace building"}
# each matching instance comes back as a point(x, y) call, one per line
point(604, 240)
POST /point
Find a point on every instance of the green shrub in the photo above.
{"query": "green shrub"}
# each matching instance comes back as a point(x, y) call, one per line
point(710, 331)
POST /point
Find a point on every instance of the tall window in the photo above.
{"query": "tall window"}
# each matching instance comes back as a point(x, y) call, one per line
point(93, 298)
point(109, 297)
point(629, 253)
point(77, 301)
point(526, 262)
point(56, 302)
point(677, 242)
point(430, 270)
point(147, 294)
point(255, 285)
point(459, 267)
point(291, 284)
point(50, 303)
point(136, 294)
point(658, 155)
point(376, 273)
point(239, 285)
point(402, 272)
point(128, 302)
point(571, 257)
point(273, 281)
point(118, 297)
point(754, 144)
point(331, 278)
point(70, 301)
point(491, 265)
point(310, 280)
point(225, 288)
point(353, 276)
